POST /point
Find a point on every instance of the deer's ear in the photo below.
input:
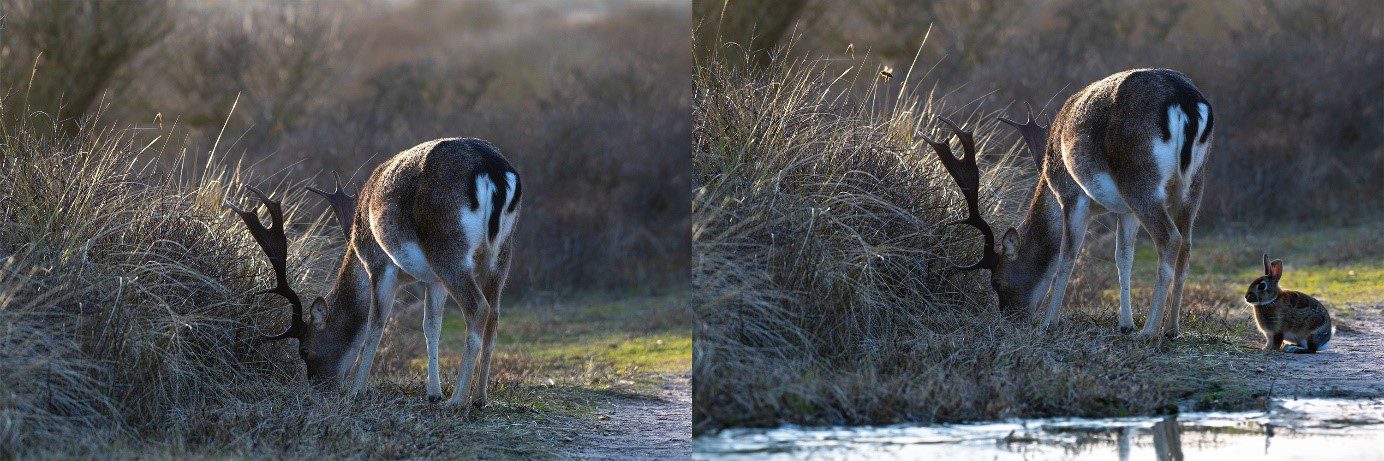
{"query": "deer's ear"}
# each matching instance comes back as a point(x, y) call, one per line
point(1276, 268)
point(318, 313)
point(1009, 245)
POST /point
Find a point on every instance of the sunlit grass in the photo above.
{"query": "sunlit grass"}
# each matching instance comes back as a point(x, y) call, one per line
point(625, 345)
point(1343, 267)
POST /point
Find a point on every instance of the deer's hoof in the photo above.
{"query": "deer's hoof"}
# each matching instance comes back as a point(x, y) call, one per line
point(434, 398)
point(480, 404)
point(455, 404)
point(1148, 335)
point(1124, 330)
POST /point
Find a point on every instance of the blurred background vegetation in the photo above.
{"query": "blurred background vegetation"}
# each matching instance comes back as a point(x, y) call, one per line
point(1297, 85)
point(582, 96)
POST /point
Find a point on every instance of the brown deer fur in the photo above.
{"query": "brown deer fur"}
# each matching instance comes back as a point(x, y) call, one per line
point(1132, 144)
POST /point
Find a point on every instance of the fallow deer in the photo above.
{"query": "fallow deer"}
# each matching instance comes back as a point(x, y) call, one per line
point(1133, 144)
point(441, 213)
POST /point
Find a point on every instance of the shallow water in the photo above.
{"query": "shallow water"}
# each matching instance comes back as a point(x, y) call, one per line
point(1291, 429)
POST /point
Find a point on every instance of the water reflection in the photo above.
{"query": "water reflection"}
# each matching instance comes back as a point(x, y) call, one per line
point(1305, 428)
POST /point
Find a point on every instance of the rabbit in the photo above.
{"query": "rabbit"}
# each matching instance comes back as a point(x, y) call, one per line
point(1288, 315)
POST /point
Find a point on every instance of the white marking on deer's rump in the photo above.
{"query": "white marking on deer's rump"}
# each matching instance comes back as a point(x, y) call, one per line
point(506, 220)
point(1198, 150)
point(1166, 154)
point(1205, 112)
point(475, 223)
point(512, 180)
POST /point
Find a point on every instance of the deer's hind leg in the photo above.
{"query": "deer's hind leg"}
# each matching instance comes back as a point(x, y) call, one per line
point(432, 333)
point(464, 289)
point(1160, 226)
point(494, 284)
point(1127, 230)
point(1184, 216)
point(452, 260)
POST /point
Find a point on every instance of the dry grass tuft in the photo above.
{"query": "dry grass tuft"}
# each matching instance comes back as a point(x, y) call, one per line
point(125, 292)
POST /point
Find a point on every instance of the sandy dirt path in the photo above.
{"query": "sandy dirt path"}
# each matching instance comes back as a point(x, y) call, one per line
point(1352, 365)
point(658, 427)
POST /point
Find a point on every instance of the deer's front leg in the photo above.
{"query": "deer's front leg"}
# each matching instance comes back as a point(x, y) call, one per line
point(432, 333)
point(382, 284)
point(1074, 232)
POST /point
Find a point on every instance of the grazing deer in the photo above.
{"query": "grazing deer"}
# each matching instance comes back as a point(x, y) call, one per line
point(1132, 144)
point(441, 213)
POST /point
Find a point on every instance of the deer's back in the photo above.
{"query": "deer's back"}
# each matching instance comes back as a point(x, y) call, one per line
point(1139, 131)
point(457, 191)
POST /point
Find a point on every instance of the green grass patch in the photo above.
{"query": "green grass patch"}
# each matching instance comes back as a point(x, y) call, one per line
point(1343, 267)
point(623, 345)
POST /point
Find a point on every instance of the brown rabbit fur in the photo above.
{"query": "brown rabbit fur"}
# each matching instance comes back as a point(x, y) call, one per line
point(1288, 315)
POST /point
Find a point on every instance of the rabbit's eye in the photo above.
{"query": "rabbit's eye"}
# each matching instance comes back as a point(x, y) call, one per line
point(1263, 285)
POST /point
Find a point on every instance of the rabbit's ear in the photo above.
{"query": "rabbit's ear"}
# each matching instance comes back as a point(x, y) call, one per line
point(1266, 264)
point(1276, 268)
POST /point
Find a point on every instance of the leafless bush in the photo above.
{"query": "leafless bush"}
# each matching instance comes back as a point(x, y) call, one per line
point(279, 63)
point(750, 26)
point(82, 48)
point(961, 35)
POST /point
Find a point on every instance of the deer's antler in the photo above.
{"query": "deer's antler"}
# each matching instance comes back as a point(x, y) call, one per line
point(1035, 136)
point(271, 239)
point(964, 171)
point(342, 204)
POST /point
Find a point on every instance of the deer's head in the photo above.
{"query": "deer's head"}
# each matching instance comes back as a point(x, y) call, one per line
point(321, 367)
point(1012, 281)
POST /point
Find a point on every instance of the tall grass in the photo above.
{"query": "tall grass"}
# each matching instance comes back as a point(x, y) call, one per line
point(125, 292)
point(823, 292)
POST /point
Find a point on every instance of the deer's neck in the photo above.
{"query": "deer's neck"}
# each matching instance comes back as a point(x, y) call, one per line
point(1040, 235)
point(348, 305)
